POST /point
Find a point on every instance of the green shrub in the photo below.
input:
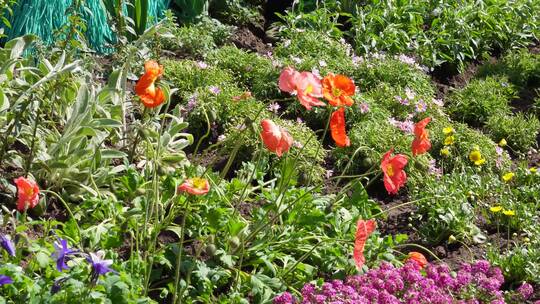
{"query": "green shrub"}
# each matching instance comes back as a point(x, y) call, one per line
point(207, 111)
point(252, 70)
point(445, 205)
point(521, 67)
point(400, 72)
point(480, 99)
point(198, 39)
point(306, 147)
point(519, 130)
point(396, 101)
point(370, 139)
point(465, 140)
point(308, 49)
point(186, 75)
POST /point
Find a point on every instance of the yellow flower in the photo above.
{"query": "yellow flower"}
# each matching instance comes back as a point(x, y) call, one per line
point(532, 169)
point(509, 212)
point(448, 131)
point(449, 140)
point(502, 143)
point(476, 157)
point(445, 152)
point(508, 176)
point(495, 209)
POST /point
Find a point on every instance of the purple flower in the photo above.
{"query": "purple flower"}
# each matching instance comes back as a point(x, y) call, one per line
point(4, 279)
point(433, 169)
point(284, 298)
point(99, 266)
point(61, 254)
point(356, 60)
point(7, 244)
point(421, 106)
point(481, 266)
point(364, 107)
point(214, 90)
point(525, 290)
point(407, 126)
point(403, 101)
point(192, 102)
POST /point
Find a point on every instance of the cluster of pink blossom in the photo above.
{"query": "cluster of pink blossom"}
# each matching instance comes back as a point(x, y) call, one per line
point(472, 284)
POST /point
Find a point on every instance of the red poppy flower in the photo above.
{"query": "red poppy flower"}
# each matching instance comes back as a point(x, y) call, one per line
point(337, 128)
point(151, 96)
point(338, 89)
point(275, 138)
point(363, 230)
point(392, 168)
point(27, 193)
point(421, 143)
point(418, 258)
point(195, 186)
point(306, 85)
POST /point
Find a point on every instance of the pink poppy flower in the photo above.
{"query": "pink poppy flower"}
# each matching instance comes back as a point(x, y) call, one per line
point(306, 85)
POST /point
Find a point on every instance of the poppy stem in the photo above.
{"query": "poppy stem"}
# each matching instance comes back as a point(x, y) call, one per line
point(137, 138)
point(178, 293)
point(319, 147)
point(33, 144)
point(68, 211)
point(208, 129)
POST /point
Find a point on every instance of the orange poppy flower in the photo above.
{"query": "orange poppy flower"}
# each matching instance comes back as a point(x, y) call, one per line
point(337, 128)
point(195, 186)
point(338, 89)
point(306, 85)
point(275, 138)
point(418, 258)
point(363, 230)
point(27, 193)
point(421, 143)
point(392, 168)
point(151, 96)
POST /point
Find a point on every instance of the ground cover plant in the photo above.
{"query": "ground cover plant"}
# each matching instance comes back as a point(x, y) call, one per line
point(235, 152)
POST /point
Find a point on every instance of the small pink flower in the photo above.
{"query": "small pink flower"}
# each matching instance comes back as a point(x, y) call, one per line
point(406, 59)
point(296, 60)
point(403, 101)
point(364, 107)
point(438, 102)
point(214, 90)
point(274, 107)
point(410, 94)
point(202, 65)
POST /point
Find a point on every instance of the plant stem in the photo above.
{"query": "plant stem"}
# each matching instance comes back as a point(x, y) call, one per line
point(32, 145)
point(178, 293)
point(137, 137)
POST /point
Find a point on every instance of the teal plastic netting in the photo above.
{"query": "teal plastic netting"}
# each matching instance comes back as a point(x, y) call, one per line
point(44, 17)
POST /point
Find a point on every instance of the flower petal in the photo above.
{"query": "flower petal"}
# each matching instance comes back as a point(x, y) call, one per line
point(337, 128)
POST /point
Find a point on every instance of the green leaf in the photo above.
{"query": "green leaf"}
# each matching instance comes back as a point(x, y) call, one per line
point(43, 259)
point(111, 153)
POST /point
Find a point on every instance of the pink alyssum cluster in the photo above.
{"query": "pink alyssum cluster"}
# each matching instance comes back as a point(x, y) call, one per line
point(472, 284)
